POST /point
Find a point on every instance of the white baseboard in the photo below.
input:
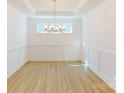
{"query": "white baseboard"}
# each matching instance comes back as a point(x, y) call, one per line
point(100, 76)
point(16, 69)
point(54, 61)
point(102, 62)
point(16, 58)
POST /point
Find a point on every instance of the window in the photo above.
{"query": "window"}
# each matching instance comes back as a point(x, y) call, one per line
point(49, 28)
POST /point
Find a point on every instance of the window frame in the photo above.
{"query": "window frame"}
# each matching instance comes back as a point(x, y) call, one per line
point(43, 32)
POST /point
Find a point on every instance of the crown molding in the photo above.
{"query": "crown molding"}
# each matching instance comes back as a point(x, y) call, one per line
point(33, 11)
point(29, 6)
point(15, 10)
point(80, 5)
point(80, 10)
point(51, 17)
point(58, 13)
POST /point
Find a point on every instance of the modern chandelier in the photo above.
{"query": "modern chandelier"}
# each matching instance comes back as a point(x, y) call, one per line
point(54, 27)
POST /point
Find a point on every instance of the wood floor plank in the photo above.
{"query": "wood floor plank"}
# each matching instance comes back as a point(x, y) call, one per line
point(56, 77)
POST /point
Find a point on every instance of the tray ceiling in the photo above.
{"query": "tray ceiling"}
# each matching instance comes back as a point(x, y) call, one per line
point(45, 7)
point(61, 5)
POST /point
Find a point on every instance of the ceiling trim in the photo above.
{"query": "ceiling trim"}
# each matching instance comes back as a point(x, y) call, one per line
point(80, 5)
point(58, 13)
point(15, 10)
point(51, 17)
point(29, 6)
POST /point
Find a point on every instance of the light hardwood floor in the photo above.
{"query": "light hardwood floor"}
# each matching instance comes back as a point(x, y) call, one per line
point(56, 77)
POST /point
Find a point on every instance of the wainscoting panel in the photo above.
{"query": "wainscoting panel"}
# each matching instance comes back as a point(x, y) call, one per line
point(93, 59)
point(108, 66)
point(22, 55)
point(12, 61)
point(53, 52)
point(102, 62)
point(16, 57)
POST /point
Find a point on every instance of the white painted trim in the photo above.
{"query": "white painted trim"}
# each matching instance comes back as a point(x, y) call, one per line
point(17, 48)
point(53, 60)
point(99, 73)
point(52, 45)
point(50, 13)
point(100, 49)
point(100, 76)
point(58, 17)
point(15, 10)
point(16, 69)
point(80, 5)
point(58, 55)
point(29, 5)
point(11, 48)
point(105, 2)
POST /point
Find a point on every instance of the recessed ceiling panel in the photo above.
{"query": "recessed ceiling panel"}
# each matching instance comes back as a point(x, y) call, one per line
point(61, 5)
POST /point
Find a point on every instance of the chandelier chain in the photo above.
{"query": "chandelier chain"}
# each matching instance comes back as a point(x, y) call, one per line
point(54, 13)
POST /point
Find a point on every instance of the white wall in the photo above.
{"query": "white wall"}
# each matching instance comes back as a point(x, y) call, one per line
point(56, 47)
point(16, 40)
point(99, 41)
